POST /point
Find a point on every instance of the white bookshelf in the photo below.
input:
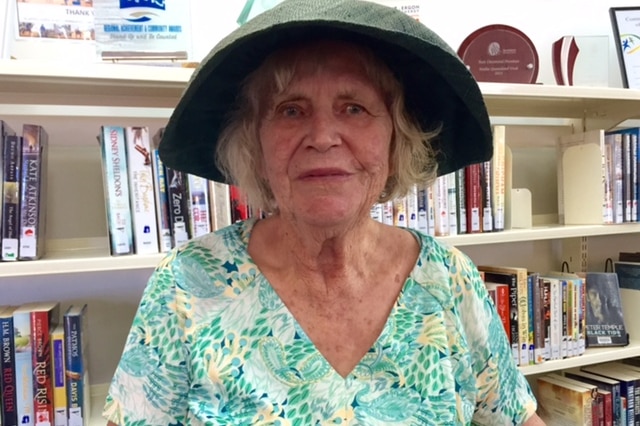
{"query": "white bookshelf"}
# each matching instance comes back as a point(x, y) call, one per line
point(72, 102)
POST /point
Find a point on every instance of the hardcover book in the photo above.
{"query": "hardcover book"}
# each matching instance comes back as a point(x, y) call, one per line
point(116, 188)
point(22, 340)
point(561, 402)
point(44, 317)
point(199, 211)
point(604, 317)
point(11, 197)
point(76, 365)
point(5, 130)
point(8, 413)
point(141, 190)
point(628, 274)
point(33, 192)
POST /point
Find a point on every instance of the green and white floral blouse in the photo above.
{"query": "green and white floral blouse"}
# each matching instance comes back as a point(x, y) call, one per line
point(212, 344)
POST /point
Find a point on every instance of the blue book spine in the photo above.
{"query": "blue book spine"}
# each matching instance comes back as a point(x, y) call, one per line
point(7, 367)
point(76, 366)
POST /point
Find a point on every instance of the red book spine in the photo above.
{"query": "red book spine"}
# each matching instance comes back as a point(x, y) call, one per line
point(239, 206)
point(607, 408)
point(473, 195)
point(41, 358)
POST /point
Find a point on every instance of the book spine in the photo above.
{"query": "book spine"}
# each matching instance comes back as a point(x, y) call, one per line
point(24, 371)
point(634, 177)
point(452, 206)
point(7, 368)
point(423, 222)
point(530, 319)
point(441, 209)
point(538, 321)
point(564, 345)
point(607, 408)
point(461, 201)
point(607, 178)
point(555, 334)
point(474, 198)
point(487, 199)
point(199, 196)
point(41, 363)
point(116, 183)
point(387, 211)
point(58, 377)
point(617, 179)
point(523, 318)
point(162, 202)
point(626, 176)
point(546, 317)
point(32, 188)
point(431, 210)
point(412, 207)
point(75, 369)
point(221, 205)
point(376, 212)
point(11, 197)
point(499, 178)
point(239, 206)
point(400, 212)
point(141, 190)
point(178, 206)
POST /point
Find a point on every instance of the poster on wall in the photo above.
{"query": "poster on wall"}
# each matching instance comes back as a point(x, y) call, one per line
point(142, 29)
point(626, 30)
point(60, 20)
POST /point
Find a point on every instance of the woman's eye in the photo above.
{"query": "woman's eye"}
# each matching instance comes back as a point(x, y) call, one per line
point(289, 111)
point(354, 109)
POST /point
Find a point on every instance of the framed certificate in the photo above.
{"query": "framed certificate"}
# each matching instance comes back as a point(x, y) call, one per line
point(626, 31)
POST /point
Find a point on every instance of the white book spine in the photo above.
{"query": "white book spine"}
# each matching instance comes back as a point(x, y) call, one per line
point(114, 161)
point(423, 221)
point(162, 202)
point(221, 205)
point(452, 203)
point(400, 212)
point(441, 209)
point(199, 198)
point(387, 213)
point(376, 212)
point(141, 190)
point(412, 208)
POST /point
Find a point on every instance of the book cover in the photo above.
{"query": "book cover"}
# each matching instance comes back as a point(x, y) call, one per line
point(22, 341)
point(502, 304)
point(12, 155)
point(8, 413)
point(179, 216)
point(199, 210)
point(35, 141)
point(628, 274)
point(76, 365)
point(116, 188)
point(162, 202)
point(44, 316)
point(58, 377)
point(141, 190)
point(562, 402)
point(604, 317)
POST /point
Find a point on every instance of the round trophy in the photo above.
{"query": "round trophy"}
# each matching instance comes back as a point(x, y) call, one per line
point(500, 53)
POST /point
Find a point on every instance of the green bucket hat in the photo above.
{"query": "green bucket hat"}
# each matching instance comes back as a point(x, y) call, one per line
point(438, 86)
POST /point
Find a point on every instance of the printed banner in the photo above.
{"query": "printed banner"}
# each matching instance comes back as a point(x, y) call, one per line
point(55, 19)
point(142, 29)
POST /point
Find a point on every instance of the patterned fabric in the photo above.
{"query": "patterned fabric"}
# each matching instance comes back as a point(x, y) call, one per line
point(213, 344)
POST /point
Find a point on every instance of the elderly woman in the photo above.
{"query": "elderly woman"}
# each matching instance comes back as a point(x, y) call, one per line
point(318, 314)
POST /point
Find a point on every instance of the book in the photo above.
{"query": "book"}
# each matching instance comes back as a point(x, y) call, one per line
point(5, 130)
point(628, 273)
point(23, 354)
point(35, 141)
point(44, 317)
point(141, 190)
point(8, 395)
point(58, 377)
point(116, 188)
point(473, 193)
point(76, 364)
point(178, 206)
point(199, 209)
point(604, 317)
point(498, 179)
point(11, 157)
point(562, 402)
point(502, 304)
point(161, 196)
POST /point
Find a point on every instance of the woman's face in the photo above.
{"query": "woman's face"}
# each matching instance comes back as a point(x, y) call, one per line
point(326, 140)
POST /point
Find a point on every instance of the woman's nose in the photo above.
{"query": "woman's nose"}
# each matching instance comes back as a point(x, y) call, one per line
point(324, 131)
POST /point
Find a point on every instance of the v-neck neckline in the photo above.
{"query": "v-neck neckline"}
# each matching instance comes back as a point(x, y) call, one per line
point(245, 235)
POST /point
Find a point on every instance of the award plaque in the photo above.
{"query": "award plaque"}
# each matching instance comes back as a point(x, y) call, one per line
point(500, 53)
point(581, 60)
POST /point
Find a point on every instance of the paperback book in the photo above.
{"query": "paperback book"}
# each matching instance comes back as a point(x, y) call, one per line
point(604, 317)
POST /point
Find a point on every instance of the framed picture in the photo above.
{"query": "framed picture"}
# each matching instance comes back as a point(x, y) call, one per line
point(626, 31)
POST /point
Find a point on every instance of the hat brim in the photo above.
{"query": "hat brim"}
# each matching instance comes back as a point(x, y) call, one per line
point(439, 89)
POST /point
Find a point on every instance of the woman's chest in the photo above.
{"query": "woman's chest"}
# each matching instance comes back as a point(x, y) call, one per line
point(255, 362)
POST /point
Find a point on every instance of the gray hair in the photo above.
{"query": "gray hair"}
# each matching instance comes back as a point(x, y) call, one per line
point(239, 153)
